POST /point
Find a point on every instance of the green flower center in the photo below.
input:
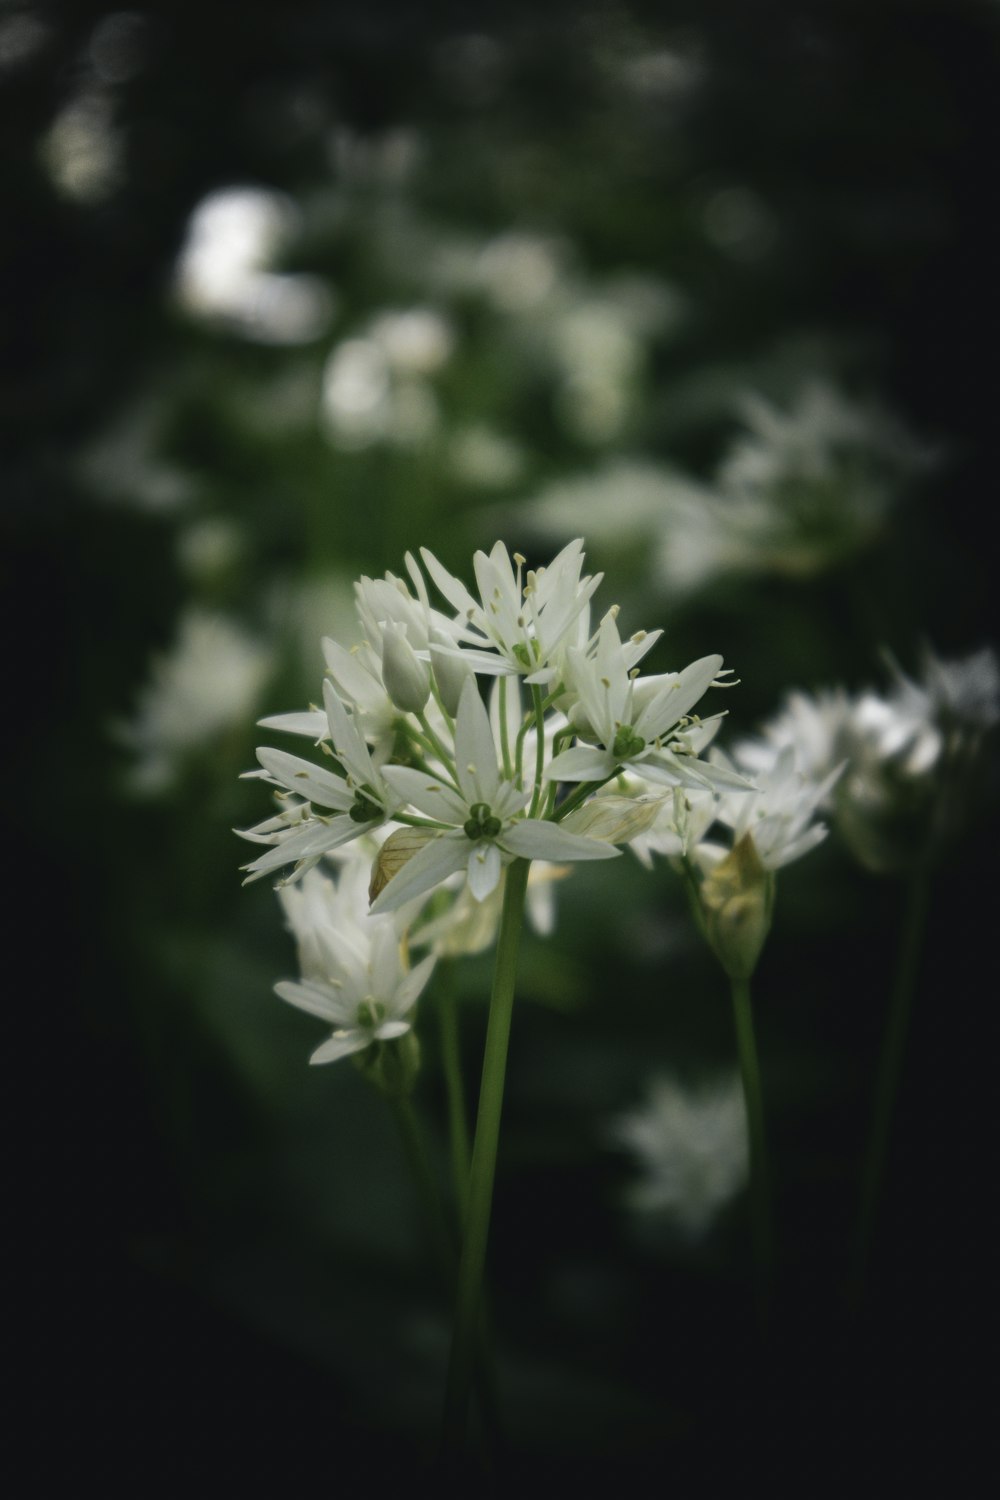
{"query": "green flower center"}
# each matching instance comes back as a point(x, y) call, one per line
point(481, 824)
point(365, 809)
point(627, 743)
point(371, 1013)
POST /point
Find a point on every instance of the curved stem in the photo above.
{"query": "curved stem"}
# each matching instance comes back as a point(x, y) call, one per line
point(893, 1046)
point(484, 1153)
point(760, 1207)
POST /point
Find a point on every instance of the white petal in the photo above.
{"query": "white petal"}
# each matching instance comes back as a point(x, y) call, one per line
point(307, 843)
point(582, 763)
point(437, 860)
point(348, 743)
point(475, 752)
point(341, 1046)
point(314, 999)
point(455, 592)
point(413, 984)
point(389, 1030)
point(678, 698)
point(307, 780)
point(484, 866)
point(312, 723)
point(426, 793)
point(536, 838)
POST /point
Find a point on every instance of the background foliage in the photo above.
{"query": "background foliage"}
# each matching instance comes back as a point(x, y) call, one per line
point(535, 267)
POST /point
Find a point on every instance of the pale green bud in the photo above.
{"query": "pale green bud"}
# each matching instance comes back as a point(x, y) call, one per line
point(450, 672)
point(407, 679)
point(615, 820)
point(738, 899)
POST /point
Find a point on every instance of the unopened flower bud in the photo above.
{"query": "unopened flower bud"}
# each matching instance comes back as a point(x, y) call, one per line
point(407, 679)
point(615, 820)
point(450, 672)
point(738, 898)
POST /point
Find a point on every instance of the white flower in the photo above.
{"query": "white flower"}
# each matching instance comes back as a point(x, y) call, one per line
point(635, 723)
point(478, 818)
point(811, 724)
point(352, 974)
point(210, 681)
point(358, 800)
point(518, 628)
point(691, 1145)
point(779, 813)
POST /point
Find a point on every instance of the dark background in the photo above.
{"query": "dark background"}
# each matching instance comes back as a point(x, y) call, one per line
point(189, 1306)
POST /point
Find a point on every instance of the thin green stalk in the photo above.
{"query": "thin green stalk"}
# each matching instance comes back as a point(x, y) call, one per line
point(760, 1206)
point(581, 794)
point(536, 698)
point(893, 1046)
point(508, 768)
point(484, 1153)
point(689, 878)
point(444, 1243)
point(451, 1060)
point(427, 1186)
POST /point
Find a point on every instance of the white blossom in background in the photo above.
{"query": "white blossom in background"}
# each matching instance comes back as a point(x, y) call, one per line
point(352, 973)
point(917, 759)
point(224, 272)
point(779, 813)
point(207, 684)
point(689, 1143)
point(454, 792)
point(811, 725)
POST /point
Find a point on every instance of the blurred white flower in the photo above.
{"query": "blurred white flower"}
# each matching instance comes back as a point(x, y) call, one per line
point(812, 725)
point(210, 682)
point(352, 972)
point(223, 273)
point(690, 1144)
point(779, 813)
point(916, 761)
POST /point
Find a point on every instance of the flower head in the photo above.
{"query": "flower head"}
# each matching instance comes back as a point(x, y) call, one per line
point(352, 975)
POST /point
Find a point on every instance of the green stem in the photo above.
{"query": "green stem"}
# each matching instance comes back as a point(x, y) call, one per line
point(443, 1240)
point(893, 1046)
point(760, 1209)
point(508, 769)
point(581, 794)
point(536, 698)
point(430, 1197)
point(484, 1154)
point(689, 876)
point(451, 1060)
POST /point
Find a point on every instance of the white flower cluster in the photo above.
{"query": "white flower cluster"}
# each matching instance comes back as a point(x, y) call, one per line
point(437, 794)
point(912, 758)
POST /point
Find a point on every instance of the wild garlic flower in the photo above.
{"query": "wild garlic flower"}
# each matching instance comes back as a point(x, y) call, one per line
point(779, 813)
point(690, 1144)
point(455, 791)
point(352, 974)
point(477, 814)
point(518, 627)
point(633, 723)
point(812, 724)
point(916, 761)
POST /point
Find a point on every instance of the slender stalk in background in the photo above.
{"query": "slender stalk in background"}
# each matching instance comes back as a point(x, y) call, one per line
point(451, 1061)
point(887, 1087)
point(760, 1193)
